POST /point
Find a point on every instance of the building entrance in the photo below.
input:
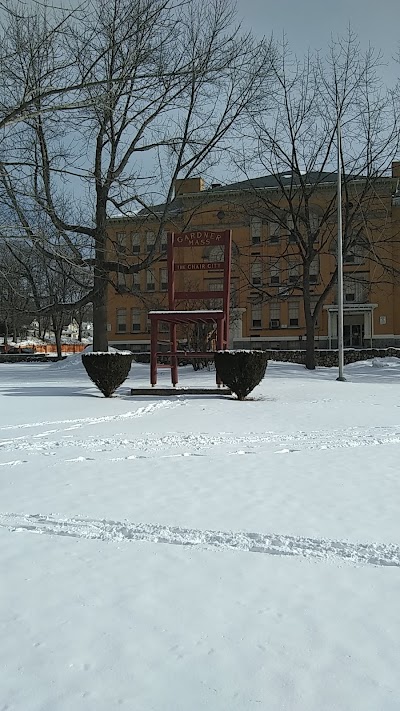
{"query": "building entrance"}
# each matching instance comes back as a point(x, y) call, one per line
point(353, 335)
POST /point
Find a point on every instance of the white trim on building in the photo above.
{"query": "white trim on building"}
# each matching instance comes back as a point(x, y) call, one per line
point(364, 310)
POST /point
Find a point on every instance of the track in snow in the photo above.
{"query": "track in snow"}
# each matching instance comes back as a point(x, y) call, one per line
point(270, 544)
point(83, 421)
point(152, 446)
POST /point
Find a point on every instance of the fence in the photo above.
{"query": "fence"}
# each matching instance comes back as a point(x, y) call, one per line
point(65, 348)
point(42, 348)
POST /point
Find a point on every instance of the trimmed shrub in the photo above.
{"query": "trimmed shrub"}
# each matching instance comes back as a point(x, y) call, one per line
point(142, 358)
point(107, 370)
point(241, 371)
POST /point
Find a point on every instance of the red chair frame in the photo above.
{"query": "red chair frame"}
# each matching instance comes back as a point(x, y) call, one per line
point(178, 241)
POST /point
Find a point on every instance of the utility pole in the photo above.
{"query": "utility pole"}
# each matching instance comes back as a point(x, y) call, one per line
point(340, 255)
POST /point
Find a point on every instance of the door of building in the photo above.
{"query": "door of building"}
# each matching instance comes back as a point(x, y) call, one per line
point(353, 335)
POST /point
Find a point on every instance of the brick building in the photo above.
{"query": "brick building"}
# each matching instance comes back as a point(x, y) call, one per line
point(267, 290)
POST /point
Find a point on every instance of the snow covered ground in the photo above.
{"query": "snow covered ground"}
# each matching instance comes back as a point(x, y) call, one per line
point(126, 527)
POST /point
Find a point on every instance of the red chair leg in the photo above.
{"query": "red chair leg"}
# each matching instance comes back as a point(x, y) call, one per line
point(220, 341)
point(153, 352)
point(174, 359)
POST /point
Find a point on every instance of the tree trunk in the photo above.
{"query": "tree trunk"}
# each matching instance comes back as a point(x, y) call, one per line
point(57, 334)
point(43, 327)
point(100, 339)
point(310, 323)
point(310, 344)
point(80, 329)
point(57, 330)
point(311, 317)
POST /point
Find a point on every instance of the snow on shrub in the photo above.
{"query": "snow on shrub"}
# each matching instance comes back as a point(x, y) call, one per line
point(241, 371)
point(107, 370)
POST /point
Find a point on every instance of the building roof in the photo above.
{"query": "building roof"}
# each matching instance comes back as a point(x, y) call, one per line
point(174, 208)
point(285, 178)
point(278, 180)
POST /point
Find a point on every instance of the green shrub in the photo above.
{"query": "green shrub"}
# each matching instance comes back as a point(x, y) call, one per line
point(107, 370)
point(142, 358)
point(241, 371)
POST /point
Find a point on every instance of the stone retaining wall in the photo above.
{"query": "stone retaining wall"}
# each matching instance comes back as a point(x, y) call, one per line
point(326, 358)
point(28, 358)
point(330, 358)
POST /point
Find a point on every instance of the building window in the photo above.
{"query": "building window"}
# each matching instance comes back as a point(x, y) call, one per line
point(121, 320)
point(150, 241)
point(136, 281)
point(349, 259)
point(356, 252)
point(274, 310)
point(292, 238)
point(294, 308)
point(163, 279)
point(150, 280)
point(122, 281)
point(313, 306)
point(293, 272)
point(256, 318)
point(355, 249)
point(274, 275)
point(164, 242)
point(256, 274)
point(314, 222)
point(135, 320)
point(136, 243)
point(121, 242)
point(215, 285)
point(314, 270)
point(215, 254)
point(355, 291)
point(274, 232)
point(274, 315)
point(255, 230)
point(234, 293)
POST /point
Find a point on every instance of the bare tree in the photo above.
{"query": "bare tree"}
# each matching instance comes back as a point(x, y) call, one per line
point(37, 71)
point(42, 282)
point(15, 297)
point(295, 141)
point(166, 85)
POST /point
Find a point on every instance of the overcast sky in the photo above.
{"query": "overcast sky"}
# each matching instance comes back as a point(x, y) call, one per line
point(310, 23)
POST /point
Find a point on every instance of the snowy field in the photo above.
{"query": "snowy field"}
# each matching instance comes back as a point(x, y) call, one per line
point(194, 553)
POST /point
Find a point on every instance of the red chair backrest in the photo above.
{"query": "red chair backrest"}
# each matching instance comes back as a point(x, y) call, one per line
point(178, 241)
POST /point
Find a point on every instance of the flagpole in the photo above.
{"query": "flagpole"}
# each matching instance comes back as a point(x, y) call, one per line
point(340, 255)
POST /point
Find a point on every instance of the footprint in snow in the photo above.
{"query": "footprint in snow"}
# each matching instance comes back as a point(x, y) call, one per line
point(80, 459)
point(182, 454)
point(14, 463)
point(286, 451)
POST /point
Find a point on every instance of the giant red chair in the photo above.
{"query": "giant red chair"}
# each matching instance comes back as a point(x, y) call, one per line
point(177, 243)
